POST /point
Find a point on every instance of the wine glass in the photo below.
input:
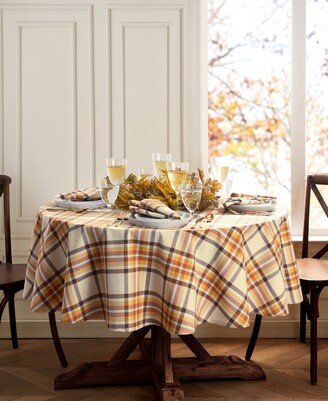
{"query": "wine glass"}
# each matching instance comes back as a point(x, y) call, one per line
point(159, 162)
point(191, 193)
point(146, 174)
point(108, 192)
point(177, 173)
point(116, 170)
point(225, 191)
point(219, 168)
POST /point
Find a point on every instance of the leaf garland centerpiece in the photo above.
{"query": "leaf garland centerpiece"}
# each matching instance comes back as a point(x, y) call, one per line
point(159, 188)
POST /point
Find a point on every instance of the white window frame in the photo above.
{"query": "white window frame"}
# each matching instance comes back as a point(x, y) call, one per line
point(298, 92)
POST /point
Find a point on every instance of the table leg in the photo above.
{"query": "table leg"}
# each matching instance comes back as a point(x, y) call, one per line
point(116, 371)
point(166, 382)
point(158, 367)
point(205, 366)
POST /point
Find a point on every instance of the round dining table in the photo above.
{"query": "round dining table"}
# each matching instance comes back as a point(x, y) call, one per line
point(94, 264)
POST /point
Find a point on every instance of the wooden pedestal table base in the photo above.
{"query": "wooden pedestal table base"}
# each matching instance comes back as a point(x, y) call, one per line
point(158, 367)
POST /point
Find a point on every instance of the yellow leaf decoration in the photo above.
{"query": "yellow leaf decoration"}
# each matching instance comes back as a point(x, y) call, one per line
point(159, 188)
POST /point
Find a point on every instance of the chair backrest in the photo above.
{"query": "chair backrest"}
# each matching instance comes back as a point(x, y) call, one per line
point(311, 185)
point(4, 190)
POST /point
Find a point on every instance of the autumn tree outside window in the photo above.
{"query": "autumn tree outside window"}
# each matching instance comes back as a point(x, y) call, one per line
point(250, 47)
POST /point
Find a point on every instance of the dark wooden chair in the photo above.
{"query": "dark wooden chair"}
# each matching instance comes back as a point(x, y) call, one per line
point(12, 277)
point(313, 274)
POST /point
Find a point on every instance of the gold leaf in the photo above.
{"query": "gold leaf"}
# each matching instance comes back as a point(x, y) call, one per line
point(159, 188)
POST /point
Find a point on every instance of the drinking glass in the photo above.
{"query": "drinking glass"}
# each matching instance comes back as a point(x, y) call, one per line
point(108, 192)
point(191, 193)
point(159, 162)
point(219, 168)
point(147, 174)
point(225, 191)
point(116, 170)
point(177, 173)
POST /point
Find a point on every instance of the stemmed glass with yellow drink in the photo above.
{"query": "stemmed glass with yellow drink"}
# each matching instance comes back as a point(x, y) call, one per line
point(219, 168)
point(116, 170)
point(159, 162)
point(177, 173)
point(145, 174)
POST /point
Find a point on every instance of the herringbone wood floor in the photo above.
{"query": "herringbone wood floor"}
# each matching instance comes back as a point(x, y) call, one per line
point(27, 374)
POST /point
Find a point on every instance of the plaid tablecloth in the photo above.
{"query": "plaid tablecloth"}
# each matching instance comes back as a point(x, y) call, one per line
point(177, 278)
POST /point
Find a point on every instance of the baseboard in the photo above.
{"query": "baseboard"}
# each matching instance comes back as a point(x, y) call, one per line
point(97, 329)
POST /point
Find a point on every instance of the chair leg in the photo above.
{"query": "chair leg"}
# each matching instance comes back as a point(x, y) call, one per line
point(254, 337)
point(3, 303)
point(56, 340)
point(12, 319)
point(314, 336)
point(303, 322)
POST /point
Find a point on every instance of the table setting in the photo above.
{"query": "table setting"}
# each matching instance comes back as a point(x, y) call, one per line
point(172, 185)
point(161, 252)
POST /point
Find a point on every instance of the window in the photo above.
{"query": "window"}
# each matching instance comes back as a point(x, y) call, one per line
point(252, 58)
point(317, 96)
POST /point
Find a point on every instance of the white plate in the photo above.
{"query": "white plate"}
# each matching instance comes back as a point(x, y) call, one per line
point(150, 222)
point(260, 207)
point(75, 205)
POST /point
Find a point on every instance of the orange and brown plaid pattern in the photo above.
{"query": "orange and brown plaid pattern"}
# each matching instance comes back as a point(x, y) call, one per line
point(87, 194)
point(154, 208)
point(177, 278)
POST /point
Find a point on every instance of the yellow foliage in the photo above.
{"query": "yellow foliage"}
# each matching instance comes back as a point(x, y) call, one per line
point(160, 188)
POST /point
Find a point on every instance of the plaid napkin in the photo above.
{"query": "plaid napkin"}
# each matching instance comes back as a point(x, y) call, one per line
point(87, 194)
point(153, 208)
point(247, 199)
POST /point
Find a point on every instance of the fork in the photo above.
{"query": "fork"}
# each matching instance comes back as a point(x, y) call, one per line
point(259, 213)
point(201, 221)
point(55, 209)
point(118, 220)
point(197, 221)
point(81, 210)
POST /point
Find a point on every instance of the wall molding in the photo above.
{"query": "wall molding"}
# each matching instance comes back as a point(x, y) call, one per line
point(124, 79)
point(144, 24)
point(37, 24)
point(53, 7)
point(79, 19)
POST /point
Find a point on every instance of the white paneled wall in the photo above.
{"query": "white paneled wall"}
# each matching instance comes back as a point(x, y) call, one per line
point(83, 80)
point(146, 51)
point(48, 130)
